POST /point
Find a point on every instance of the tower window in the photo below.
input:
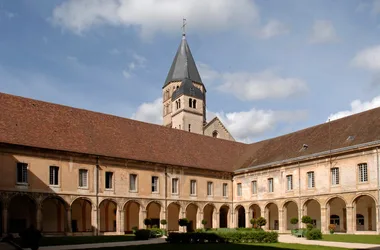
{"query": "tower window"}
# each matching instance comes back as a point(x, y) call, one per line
point(190, 102)
point(215, 134)
point(194, 103)
point(189, 127)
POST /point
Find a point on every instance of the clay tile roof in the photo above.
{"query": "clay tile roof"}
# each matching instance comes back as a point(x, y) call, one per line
point(349, 131)
point(40, 124)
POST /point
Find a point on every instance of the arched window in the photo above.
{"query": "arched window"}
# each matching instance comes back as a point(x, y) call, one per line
point(194, 103)
point(189, 127)
point(190, 102)
point(215, 134)
point(179, 104)
point(334, 219)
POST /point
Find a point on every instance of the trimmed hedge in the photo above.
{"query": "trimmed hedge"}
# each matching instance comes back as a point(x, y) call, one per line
point(224, 237)
point(314, 234)
point(143, 234)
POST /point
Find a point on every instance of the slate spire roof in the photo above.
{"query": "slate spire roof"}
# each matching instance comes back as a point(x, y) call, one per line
point(183, 65)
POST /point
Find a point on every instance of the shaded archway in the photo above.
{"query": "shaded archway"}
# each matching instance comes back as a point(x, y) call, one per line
point(22, 212)
point(153, 211)
point(173, 216)
point(365, 211)
point(337, 213)
point(240, 216)
point(255, 211)
point(54, 215)
point(271, 214)
point(108, 210)
point(223, 216)
point(208, 215)
point(191, 215)
point(131, 215)
point(312, 208)
point(81, 215)
point(290, 211)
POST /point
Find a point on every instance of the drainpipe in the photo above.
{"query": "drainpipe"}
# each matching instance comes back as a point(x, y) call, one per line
point(378, 188)
point(300, 208)
point(97, 196)
point(232, 207)
point(166, 195)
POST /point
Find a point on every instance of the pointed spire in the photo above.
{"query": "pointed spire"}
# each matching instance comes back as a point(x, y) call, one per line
point(183, 65)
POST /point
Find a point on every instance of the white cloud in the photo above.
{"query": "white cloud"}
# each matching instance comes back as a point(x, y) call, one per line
point(357, 106)
point(256, 86)
point(151, 16)
point(272, 28)
point(247, 126)
point(206, 72)
point(138, 62)
point(323, 32)
point(368, 58)
point(149, 112)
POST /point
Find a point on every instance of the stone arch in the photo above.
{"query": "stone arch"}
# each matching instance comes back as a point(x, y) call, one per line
point(54, 214)
point(290, 210)
point(22, 212)
point(362, 194)
point(108, 213)
point(364, 213)
point(224, 211)
point(311, 199)
point(240, 216)
point(173, 215)
point(132, 210)
point(209, 214)
point(312, 208)
point(133, 200)
point(254, 210)
point(153, 212)
point(81, 198)
point(333, 197)
point(192, 215)
point(81, 210)
point(272, 216)
point(336, 207)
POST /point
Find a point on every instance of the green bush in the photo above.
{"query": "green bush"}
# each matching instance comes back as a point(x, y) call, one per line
point(314, 234)
point(261, 221)
point(253, 236)
point(306, 219)
point(309, 226)
point(294, 221)
point(143, 234)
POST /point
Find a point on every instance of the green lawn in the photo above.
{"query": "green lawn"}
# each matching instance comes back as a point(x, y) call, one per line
point(267, 246)
point(75, 240)
point(370, 239)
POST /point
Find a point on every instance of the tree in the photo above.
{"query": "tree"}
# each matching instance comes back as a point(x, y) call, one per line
point(253, 222)
point(307, 219)
point(163, 222)
point(261, 222)
point(294, 221)
point(183, 222)
point(147, 222)
point(204, 222)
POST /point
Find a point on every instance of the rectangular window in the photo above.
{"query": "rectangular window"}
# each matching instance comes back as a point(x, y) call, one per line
point(154, 184)
point(335, 176)
point(289, 182)
point(53, 175)
point(209, 188)
point(133, 182)
point(363, 172)
point(193, 187)
point(254, 187)
point(83, 178)
point(225, 186)
point(270, 185)
point(189, 127)
point(175, 185)
point(108, 181)
point(310, 179)
point(239, 190)
point(22, 172)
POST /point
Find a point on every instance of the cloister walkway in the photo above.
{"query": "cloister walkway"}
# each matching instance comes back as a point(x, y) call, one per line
point(283, 238)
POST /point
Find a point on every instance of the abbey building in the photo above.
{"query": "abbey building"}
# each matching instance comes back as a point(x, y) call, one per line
point(71, 171)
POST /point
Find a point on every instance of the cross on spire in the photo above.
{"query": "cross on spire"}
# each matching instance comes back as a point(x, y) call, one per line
point(184, 26)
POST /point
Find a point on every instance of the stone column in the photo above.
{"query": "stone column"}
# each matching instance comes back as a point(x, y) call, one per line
point(199, 219)
point(248, 219)
point(39, 218)
point(215, 215)
point(94, 220)
point(142, 216)
point(350, 228)
point(324, 224)
point(301, 213)
point(68, 221)
point(5, 219)
point(266, 216)
point(281, 221)
point(378, 219)
point(119, 221)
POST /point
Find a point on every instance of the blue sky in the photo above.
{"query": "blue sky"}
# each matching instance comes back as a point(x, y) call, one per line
point(270, 67)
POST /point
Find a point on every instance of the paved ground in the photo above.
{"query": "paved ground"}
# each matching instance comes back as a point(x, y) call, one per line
point(286, 238)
